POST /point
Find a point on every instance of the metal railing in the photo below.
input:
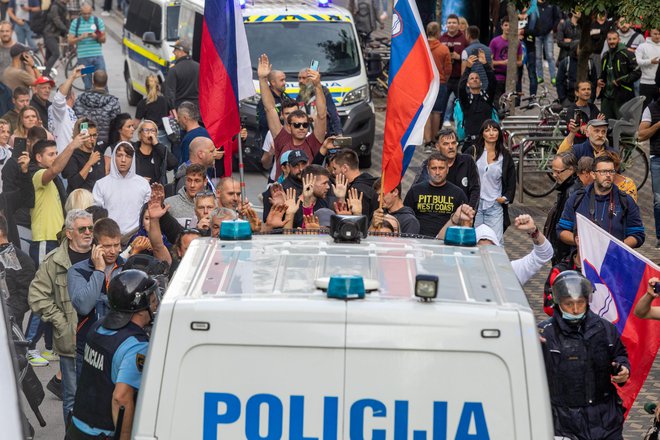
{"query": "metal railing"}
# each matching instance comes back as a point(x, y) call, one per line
point(521, 154)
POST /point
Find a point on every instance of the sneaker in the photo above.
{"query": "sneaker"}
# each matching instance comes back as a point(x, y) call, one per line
point(539, 79)
point(105, 14)
point(50, 355)
point(55, 387)
point(428, 147)
point(553, 81)
point(35, 359)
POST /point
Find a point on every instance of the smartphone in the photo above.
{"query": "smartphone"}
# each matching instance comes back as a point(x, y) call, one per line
point(87, 70)
point(84, 128)
point(343, 141)
point(20, 146)
point(314, 65)
point(656, 287)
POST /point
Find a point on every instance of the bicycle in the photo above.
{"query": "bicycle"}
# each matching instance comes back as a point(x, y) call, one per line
point(377, 58)
point(68, 61)
point(634, 161)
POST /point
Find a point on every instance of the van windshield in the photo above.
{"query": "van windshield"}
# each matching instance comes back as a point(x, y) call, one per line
point(291, 46)
point(173, 22)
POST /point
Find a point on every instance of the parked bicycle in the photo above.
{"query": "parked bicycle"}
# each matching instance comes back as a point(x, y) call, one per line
point(67, 61)
point(377, 59)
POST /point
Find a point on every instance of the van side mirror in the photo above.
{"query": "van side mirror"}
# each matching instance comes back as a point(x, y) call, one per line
point(150, 38)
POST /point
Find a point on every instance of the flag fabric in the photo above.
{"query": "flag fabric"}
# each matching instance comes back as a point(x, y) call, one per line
point(413, 88)
point(225, 73)
point(620, 276)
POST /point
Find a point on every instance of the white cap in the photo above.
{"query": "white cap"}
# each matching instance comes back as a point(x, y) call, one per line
point(485, 232)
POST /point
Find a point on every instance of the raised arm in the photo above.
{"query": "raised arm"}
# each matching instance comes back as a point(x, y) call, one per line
point(263, 70)
point(321, 121)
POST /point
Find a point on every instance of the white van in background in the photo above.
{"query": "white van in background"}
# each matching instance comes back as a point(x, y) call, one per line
point(246, 345)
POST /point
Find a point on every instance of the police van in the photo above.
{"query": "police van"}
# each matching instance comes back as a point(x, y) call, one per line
point(151, 27)
point(299, 337)
point(293, 34)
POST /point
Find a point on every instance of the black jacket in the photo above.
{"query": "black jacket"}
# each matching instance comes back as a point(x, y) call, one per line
point(476, 108)
point(625, 72)
point(17, 198)
point(18, 283)
point(57, 22)
point(549, 17)
point(156, 165)
point(464, 170)
point(568, 187)
point(42, 108)
point(407, 220)
point(567, 78)
point(72, 170)
point(567, 30)
point(364, 183)
point(182, 80)
point(509, 179)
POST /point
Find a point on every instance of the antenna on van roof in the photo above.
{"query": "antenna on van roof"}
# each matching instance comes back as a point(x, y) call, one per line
point(286, 6)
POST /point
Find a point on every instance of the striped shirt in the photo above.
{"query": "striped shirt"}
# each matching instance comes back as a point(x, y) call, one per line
point(88, 47)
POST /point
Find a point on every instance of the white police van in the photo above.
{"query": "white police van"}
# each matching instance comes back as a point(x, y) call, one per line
point(247, 345)
point(293, 34)
point(151, 27)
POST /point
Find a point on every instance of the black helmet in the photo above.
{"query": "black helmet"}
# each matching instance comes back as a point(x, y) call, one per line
point(571, 284)
point(128, 293)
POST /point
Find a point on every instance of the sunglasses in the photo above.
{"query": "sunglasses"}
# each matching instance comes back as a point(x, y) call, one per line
point(204, 194)
point(82, 229)
point(300, 124)
point(190, 231)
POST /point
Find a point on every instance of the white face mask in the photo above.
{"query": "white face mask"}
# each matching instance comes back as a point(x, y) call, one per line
point(570, 317)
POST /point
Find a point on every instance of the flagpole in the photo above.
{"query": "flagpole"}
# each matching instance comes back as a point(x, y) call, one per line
point(382, 185)
point(241, 173)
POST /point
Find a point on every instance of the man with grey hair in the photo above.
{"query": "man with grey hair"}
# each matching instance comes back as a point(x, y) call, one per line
point(307, 96)
point(218, 216)
point(49, 297)
point(188, 117)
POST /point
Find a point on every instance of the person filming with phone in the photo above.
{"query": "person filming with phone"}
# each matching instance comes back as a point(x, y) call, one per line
point(643, 308)
point(87, 33)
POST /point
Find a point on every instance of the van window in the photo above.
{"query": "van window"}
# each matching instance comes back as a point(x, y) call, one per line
point(173, 23)
point(144, 16)
point(291, 46)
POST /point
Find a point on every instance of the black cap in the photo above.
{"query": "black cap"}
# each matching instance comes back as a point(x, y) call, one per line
point(297, 156)
point(18, 49)
point(128, 293)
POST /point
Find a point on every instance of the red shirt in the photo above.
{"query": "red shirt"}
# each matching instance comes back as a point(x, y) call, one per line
point(284, 142)
point(457, 44)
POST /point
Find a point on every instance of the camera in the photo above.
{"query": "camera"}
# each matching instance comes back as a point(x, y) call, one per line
point(348, 228)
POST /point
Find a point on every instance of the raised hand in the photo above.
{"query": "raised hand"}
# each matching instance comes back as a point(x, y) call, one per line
point(157, 193)
point(141, 243)
point(311, 222)
point(264, 68)
point(525, 223)
point(340, 187)
point(341, 208)
point(291, 201)
point(355, 201)
point(308, 189)
point(275, 217)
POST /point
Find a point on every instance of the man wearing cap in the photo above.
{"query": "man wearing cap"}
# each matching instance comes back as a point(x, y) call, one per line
point(41, 89)
point(182, 79)
point(87, 33)
point(22, 71)
point(297, 161)
point(596, 143)
point(114, 357)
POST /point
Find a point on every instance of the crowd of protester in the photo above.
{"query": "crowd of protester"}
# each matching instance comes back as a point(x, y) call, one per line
point(87, 186)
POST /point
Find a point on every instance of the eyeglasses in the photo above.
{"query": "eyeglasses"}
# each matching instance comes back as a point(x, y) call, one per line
point(93, 135)
point(82, 229)
point(149, 130)
point(555, 171)
point(605, 172)
point(300, 124)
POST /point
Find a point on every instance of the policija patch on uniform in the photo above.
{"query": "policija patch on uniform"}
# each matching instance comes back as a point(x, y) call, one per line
point(139, 361)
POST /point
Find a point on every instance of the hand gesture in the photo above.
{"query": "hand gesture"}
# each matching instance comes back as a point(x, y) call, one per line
point(80, 139)
point(471, 60)
point(253, 218)
point(314, 76)
point(276, 194)
point(156, 209)
point(311, 222)
point(204, 223)
point(291, 201)
point(264, 68)
point(140, 244)
point(341, 208)
point(97, 258)
point(94, 158)
point(464, 215)
point(525, 223)
point(355, 201)
point(340, 187)
point(24, 161)
point(651, 285)
point(157, 193)
point(275, 217)
point(308, 189)
point(482, 57)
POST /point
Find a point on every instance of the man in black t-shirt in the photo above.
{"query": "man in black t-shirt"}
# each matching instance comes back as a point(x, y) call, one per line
point(435, 200)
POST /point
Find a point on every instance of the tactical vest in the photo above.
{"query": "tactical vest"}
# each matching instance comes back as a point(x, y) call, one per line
point(94, 397)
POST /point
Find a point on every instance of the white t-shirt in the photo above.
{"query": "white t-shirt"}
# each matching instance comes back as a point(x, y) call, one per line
point(268, 146)
point(646, 115)
point(490, 175)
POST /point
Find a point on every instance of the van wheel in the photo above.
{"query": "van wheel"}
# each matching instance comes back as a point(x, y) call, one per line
point(132, 96)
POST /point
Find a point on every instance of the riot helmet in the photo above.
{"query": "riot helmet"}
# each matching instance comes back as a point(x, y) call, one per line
point(572, 284)
point(128, 293)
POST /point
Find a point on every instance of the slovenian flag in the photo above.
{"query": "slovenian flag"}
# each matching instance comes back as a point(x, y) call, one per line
point(225, 72)
point(413, 87)
point(620, 276)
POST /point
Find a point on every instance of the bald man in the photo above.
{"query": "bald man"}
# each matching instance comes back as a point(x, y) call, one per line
point(202, 152)
point(229, 193)
point(277, 83)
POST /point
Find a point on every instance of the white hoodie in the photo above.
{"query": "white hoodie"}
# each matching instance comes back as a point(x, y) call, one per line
point(122, 196)
point(645, 53)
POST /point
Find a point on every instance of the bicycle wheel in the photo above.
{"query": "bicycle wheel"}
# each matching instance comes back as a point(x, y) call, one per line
point(71, 64)
point(634, 164)
point(537, 168)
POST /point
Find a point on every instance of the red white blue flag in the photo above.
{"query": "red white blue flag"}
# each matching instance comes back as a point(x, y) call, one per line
point(413, 87)
point(620, 276)
point(225, 72)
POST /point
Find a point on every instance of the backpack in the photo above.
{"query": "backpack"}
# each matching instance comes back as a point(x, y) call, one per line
point(458, 119)
point(96, 23)
point(38, 21)
point(623, 202)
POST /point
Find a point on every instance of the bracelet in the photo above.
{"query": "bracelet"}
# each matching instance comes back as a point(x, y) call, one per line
point(535, 234)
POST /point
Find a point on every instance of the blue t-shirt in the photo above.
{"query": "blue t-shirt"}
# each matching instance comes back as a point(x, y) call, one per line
point(89, 47)
point(585, 149)
point(188, 138)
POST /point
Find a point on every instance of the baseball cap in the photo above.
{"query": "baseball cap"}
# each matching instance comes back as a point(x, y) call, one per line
point(485, 232)
point(297, 156)
point(284, 158)
point(181, 45)
point(44, 80)
point(597, 123)
point(18, 49)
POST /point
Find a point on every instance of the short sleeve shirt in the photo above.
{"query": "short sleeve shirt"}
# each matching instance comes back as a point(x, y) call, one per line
point(284, 142)
point(47, 216)
point(88, 47)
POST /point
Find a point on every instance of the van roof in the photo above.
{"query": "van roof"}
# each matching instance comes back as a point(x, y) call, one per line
point(279, 10)
point(289, 265)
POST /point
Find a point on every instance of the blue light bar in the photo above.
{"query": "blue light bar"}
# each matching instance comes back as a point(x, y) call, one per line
point(242, 3)
point(324, 3)
point(346, 287)
point(235, 230)
point(460, 236)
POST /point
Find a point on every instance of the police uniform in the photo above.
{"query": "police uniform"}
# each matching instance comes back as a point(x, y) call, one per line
point(578, 358)
point(111, 357)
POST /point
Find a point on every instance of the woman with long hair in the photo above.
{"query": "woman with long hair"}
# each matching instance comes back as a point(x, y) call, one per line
point(28, 117)
point(152, 159)
point(498, 178)
point(122, 128)
point(154, 107)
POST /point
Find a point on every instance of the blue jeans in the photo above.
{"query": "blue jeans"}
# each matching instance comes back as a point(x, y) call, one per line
point(98, 62)
point(493, 217)
point(68, 369)
point(545, 44)
point(449, 109)
point(36, 329)
point(24, 35)
point(655, 179)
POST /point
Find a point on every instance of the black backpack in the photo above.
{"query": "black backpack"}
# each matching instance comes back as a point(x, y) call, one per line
point(96, 23)
point(38, 20)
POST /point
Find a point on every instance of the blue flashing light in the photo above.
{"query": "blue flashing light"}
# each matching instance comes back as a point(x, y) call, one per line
point(235, 230)
point(346, 287)
point(461, 236)
point(324, 3)
point(242, 3)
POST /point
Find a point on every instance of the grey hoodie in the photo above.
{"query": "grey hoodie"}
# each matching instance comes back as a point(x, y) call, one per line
point(122, 196)
point(182, 207)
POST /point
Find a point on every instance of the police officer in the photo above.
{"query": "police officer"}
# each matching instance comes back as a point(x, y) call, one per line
point(584, 358)
point(113, 359)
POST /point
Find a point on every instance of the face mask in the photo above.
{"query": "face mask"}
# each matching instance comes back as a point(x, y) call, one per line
point(570, 317)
